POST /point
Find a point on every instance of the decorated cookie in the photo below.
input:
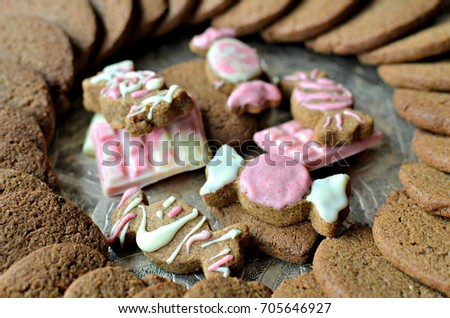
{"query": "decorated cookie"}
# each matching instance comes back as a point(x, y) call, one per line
point(432, 149)
point(289, 82)
point(13, 181)
point(342, 127)
point(377, 23)
point(253, 97)
point(297, 142)
point(420, 76)
point(219, 287)
point(303, 286)
point(231, 62)
point(202, 42)
point(176, 237)
point(221, 126)
point(206, 9)
point(414, 241)
point(311, 98)
point(148, 14)
point(92, 86)
point(274, 190)
point(293, 243)
point(33, 219)
point(48, 271)
point(427, 110)
point(105, 282)
point(428, 42)
point(251, 16)
point(428, 187)
point(316, 17)
point(166, 289)
point(27, 92)
point(352, 266)
point(121, 164)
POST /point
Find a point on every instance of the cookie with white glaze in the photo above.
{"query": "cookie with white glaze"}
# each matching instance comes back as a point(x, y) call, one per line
point(289, 81)
point(201, 43)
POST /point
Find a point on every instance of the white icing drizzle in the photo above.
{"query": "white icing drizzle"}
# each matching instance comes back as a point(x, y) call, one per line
point(123, 233)
point(160, 237)
point(329, 196)
point(224, 270)
point(231, 234)
point(114, 227)
point(132, 205)
point(153, 101)
point(159, 214)
point(168, 202)
point(225, 251)
point(191, 232)
point(112, 71)
point(222, 169)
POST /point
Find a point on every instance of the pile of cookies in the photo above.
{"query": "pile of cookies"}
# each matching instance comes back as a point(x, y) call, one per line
point(262, 201)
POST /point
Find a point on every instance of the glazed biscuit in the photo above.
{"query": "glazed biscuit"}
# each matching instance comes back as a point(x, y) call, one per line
point(428, 187)
point(201, 43)
point(289, 82)
point(352, 266)
point(308, 19)
point(427, 110)
point(415, 241)
point(33, 219)
point(12, 181)
point(432, 149)
point(428, 42)
point(105, 282)
point(251, 16)
point(420, 76)
point(303, 286)
point(75, 18)
point(50, 54)
point(26, 91)
point(48, 271)
point(231, 287)
point(379, 22)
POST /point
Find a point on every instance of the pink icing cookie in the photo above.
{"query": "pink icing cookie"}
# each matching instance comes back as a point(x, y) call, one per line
point(300, 76)
point(274, 181)
point(293, 140)
point(125, 161)
point(254, 97)
point(211, 34)
point(233, 60)
point(322, 94)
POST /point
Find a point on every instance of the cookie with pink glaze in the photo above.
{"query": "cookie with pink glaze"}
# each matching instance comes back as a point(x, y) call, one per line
point(312, 97)
point(201, 43)
point(253, 97)
point(276, 190)
point(342, 127)
point(177, 237)
point(231, 62)
point(289, 82)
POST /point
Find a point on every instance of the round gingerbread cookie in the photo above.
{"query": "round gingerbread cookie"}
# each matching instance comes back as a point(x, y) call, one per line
point(352, 266)
point(15, 124)
point(219, 287)
point(39, 45)
point(148, 14)
point(433, 149)
point(177, 12)
point(420, 76)
point(428, 187)
point(231, 62)
point(312, 97)
point(303, 286)
point(378, 22)
point(220, 124)
point(48, 271)
point(13, 181)
point(33, 219)
point(105, 282)
point(414, 241)
point(152, 279)
point(116, 17)
point(251, 16)
point(428, 42)
point(206, 9)
point(167, 289)
point(308, 19)
point(26, 90)
point(21, 154)
point(427, 110)
point(75, 18)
